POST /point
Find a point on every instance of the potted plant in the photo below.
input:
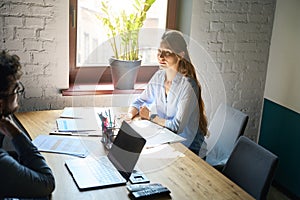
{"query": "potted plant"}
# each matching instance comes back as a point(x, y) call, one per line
point(123, 31)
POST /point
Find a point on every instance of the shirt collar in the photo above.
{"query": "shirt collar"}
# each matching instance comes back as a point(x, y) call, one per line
point(177, 78)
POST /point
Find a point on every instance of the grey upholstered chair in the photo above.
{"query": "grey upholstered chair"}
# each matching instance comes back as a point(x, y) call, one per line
point(252, 167)
point(226, 126)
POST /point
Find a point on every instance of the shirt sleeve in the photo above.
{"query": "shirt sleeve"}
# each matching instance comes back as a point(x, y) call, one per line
point(30, 177)
point(147, 97)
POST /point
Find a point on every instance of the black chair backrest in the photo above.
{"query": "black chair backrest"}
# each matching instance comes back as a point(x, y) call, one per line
point(252, 167)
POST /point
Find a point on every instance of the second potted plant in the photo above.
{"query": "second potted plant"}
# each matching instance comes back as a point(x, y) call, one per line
point(123, 31)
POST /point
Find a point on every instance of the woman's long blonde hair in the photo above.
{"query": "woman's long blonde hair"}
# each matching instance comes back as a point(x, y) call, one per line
point(175, 41)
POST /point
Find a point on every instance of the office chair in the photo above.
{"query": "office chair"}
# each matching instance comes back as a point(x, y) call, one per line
point(226, 126)
point(252, 167)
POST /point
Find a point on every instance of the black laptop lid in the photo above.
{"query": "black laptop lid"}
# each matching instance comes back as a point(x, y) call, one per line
point(126, 150)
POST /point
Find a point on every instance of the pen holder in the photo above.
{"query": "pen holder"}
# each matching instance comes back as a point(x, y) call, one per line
point(107, 137)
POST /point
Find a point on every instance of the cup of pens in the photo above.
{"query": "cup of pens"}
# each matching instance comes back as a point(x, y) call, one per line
point(107, 130)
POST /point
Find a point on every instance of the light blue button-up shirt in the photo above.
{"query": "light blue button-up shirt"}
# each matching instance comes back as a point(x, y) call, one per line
point(179, 108)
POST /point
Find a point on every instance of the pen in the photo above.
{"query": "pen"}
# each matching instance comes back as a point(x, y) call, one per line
point(78, 133)
point(110, 122)
point(103, 120)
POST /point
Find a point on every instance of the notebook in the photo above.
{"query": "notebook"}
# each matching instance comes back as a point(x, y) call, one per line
point(113, 169)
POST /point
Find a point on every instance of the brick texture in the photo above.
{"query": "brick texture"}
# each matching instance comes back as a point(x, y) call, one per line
point(243, 31)
point(27, 29)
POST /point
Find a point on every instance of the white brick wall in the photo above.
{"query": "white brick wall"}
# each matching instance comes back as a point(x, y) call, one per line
point(234, 37)
point(238, 37)
point(36, 32)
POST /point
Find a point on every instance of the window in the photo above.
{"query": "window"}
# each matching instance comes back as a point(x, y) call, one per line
point(89, 50)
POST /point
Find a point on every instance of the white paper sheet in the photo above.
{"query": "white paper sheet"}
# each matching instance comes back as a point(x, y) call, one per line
point(81, 112)
point(154, 134)
point(60, 144)
point(66, 124)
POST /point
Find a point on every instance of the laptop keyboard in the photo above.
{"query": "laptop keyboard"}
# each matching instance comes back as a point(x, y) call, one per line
point(103, 170)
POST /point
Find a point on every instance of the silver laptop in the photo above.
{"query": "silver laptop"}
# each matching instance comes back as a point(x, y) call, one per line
point(113, 169)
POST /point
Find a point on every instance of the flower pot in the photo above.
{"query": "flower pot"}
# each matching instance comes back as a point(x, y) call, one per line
point(124, 73)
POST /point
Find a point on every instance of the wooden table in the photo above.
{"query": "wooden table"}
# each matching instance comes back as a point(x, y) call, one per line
point(186, 175)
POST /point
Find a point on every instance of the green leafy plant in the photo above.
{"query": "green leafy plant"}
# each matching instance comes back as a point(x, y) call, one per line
point(126, 26)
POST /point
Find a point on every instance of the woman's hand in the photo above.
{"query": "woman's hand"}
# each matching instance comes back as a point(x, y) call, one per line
point(145, 113)
point(8, 127)
point(131, 113)
point(159, 121)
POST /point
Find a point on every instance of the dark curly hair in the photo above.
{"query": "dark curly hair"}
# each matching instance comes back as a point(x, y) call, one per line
point(10, 69)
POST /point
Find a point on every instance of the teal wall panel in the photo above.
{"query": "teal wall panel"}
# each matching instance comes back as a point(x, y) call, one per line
point(280, 133)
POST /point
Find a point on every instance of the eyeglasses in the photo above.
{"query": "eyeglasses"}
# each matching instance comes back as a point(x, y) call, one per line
point(164, 53)
point(19, 89)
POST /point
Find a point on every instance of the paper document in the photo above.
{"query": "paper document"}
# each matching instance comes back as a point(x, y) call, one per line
point(81, 112)
point(154, 133)
point(60, 144)
point(66, 124)
point(75, 119)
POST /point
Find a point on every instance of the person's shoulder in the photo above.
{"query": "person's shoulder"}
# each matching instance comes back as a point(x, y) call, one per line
point(192, 82)
point(188, 80)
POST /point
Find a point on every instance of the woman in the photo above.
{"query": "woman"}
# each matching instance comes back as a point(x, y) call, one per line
point(28, 175)
point(175, 93)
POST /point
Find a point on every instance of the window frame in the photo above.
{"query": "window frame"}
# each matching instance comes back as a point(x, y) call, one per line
point(88, 75)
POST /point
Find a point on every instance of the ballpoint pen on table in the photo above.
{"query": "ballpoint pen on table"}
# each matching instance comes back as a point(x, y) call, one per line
point(109, 115)
point(76, 133)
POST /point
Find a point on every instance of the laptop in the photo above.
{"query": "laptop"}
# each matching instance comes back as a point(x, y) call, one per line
point(113, 169)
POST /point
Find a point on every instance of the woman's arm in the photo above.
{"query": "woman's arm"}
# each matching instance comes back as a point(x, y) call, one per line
point(132, 112)
point(146, 97)
point(156, 119)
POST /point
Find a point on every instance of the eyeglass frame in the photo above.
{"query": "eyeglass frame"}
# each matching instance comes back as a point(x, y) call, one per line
point(19, 89)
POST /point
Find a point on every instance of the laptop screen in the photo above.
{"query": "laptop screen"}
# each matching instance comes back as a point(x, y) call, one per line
point(126, 149)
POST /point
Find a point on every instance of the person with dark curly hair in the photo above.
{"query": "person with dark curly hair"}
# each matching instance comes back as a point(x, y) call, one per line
point(27, 175)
